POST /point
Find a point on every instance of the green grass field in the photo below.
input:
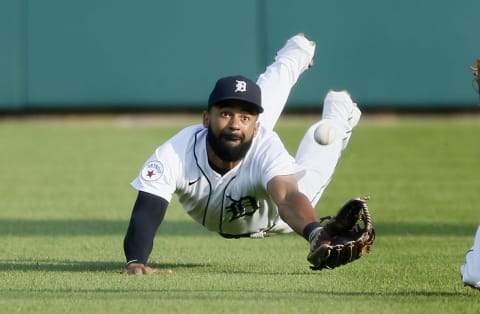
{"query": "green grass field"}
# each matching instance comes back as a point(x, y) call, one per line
point(66, 201)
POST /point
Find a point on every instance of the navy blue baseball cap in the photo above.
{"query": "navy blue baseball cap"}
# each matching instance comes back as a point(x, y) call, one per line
point(237, 87)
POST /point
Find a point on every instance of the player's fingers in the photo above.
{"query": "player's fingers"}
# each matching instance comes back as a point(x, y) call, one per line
point(146, 270)
point(132, 271)
point(166, 271)
point(150, 270)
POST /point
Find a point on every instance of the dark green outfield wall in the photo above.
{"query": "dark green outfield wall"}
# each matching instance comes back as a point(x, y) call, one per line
point(168, 54)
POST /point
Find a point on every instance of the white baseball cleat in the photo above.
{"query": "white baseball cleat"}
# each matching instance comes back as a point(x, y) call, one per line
point(339, 110)
point(298, 49)
point(356, 114)
point(339, 105)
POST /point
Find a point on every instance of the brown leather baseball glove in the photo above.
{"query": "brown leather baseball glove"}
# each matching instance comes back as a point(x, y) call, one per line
point(344, 238)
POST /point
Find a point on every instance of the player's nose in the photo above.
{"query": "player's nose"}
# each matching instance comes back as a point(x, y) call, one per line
point(234, 122)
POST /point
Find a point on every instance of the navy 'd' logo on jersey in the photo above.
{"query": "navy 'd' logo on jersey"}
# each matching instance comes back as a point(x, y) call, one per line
point(245, 206)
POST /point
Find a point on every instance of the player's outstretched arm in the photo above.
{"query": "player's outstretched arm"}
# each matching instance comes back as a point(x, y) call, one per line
point(294, 207)
point(147, 215)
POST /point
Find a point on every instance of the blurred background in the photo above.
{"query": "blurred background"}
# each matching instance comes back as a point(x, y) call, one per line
point(134, 55)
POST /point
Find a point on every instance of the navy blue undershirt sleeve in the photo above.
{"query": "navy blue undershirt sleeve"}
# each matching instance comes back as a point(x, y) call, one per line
point(147, 215)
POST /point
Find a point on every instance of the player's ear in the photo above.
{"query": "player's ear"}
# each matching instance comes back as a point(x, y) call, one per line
point(206, 119)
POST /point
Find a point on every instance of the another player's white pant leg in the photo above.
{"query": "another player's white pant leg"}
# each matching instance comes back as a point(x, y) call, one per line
point(471, 269)
point(320, 160)
point(279, 77)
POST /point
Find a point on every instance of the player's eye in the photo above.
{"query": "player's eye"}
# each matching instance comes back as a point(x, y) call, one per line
point(245, 118)
point(224, 114)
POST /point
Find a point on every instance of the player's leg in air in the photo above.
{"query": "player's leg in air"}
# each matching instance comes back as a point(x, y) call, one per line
point(341, 114)
point(294, 58)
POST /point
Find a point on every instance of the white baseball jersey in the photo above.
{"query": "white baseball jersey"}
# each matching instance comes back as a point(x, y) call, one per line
point(237, 203)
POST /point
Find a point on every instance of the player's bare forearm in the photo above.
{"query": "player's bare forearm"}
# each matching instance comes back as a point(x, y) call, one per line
point(297, 212)
point(294, 207)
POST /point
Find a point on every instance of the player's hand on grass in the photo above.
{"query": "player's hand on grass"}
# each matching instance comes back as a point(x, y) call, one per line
point(141, 269)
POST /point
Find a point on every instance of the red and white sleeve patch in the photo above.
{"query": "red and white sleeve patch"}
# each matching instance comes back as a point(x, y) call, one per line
point(152, 171)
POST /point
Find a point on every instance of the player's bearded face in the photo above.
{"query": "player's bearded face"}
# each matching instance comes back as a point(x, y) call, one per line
point(222, 145)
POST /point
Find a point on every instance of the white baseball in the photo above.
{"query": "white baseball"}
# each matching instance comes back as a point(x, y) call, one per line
point(324, 134)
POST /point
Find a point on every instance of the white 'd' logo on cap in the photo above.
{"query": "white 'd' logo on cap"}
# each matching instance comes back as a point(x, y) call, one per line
point(241, 86)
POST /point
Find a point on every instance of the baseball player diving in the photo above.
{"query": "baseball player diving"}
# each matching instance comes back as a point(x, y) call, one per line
point(233, 175)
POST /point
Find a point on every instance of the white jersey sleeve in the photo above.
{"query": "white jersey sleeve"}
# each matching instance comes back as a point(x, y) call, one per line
point(161, 173)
